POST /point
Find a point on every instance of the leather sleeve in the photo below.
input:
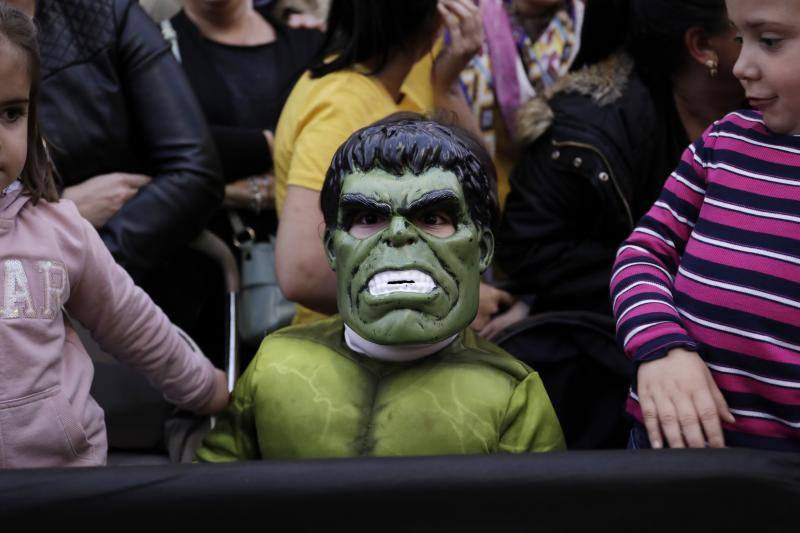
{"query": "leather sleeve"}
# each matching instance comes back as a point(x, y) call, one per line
point(187, 186)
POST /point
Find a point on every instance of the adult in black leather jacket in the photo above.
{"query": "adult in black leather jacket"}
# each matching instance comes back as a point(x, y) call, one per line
point(114, 100)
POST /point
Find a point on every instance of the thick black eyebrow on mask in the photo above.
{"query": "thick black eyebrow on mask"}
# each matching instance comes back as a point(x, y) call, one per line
point(443, 199)
point(352, 204)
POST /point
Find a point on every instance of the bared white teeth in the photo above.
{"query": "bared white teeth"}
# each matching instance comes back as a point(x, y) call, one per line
point(393, 281)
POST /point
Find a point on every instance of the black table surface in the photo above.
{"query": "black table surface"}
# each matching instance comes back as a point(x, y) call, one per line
point(672, 490)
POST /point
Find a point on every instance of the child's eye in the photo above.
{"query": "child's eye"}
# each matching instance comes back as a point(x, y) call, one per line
point(770, 42)
point(738, 39)
point(12, 114)
point(367, 223)
point(436, 223)
point(368, 219)
point(435, 219)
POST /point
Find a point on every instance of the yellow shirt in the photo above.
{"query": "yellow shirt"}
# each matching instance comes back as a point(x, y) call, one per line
point(321, 114)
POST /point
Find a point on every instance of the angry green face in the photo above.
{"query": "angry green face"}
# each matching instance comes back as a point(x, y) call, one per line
point(408, 256)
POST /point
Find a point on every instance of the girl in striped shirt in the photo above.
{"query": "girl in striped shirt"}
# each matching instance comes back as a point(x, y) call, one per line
point(706, 291)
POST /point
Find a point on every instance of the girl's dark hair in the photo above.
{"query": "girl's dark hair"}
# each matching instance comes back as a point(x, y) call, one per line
point(605, 28)
point(362, 30)
point(16, 29)
point(408, 142)
point(658, 28)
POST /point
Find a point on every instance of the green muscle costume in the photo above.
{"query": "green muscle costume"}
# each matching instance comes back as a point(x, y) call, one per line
point(399, 372)
point(306, 394)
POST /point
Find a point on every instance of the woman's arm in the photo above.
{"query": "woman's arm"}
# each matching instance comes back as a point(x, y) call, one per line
point(304, 274)
point(186, 184)
point(463, 22)
point(302, 268)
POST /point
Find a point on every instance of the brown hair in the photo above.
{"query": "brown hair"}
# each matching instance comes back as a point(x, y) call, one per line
point(37, 176)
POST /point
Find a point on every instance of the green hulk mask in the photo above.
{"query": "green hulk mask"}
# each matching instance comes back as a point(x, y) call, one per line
point(407, 243)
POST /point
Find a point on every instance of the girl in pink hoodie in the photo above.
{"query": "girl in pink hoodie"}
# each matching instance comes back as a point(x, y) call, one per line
point(52, 261)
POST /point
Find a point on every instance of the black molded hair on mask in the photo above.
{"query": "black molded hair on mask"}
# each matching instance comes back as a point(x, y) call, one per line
point(406, 142)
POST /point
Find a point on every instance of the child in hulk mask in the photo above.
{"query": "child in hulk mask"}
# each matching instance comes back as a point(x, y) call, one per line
point(408, 207)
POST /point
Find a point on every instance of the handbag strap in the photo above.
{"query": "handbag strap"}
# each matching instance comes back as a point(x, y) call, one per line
point(243, 236)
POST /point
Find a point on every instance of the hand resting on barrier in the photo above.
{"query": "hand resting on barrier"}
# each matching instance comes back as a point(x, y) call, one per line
point(681, 401)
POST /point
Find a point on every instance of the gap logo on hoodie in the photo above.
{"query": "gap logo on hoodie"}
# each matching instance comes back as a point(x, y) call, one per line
point(31, 288)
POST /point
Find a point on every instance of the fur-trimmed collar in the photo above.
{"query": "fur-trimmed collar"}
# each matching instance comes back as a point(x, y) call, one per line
point(604, 82)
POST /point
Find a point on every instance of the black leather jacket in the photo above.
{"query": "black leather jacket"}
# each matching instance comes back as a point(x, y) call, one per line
point(115, 100)
point(597, 155)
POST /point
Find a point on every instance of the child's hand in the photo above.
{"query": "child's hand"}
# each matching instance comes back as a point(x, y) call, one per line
point(517, 312)
point(219, 397)
point(491, 302)
point(680, 399)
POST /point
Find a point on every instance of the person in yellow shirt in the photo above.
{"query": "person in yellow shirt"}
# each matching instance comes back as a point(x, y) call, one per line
point(377, 59)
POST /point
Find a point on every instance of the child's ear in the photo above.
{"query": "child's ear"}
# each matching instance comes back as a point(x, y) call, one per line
point(327, 241)
point(487, 248)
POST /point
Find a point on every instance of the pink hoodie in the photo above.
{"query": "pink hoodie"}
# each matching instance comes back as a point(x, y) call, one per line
point(51, 257)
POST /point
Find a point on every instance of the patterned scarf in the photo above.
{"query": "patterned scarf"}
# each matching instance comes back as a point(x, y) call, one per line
point(512, 68)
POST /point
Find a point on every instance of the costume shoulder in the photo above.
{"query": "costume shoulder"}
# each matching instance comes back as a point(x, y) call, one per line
point(306, 339)
point(472, 348)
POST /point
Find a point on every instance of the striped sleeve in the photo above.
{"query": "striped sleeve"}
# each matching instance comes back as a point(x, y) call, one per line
point(648, 323)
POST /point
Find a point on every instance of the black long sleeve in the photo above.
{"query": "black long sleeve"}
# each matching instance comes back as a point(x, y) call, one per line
point(551, 242)
point(113, 99)
point(243, 152)
point(176, 143)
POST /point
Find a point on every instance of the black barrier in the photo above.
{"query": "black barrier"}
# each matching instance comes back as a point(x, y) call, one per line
point(676, 490)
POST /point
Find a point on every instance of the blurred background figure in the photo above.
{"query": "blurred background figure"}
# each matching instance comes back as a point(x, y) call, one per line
point(600, 144)
point(529, 45)
point(242, 63)
point(164, 9)
point(128, 141)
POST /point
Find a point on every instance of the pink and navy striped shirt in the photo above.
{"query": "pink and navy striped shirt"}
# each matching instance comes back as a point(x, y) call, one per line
point(714, 267)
